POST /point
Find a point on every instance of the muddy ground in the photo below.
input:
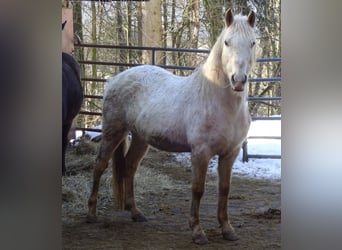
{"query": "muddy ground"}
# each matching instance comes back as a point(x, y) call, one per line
point(163, 193)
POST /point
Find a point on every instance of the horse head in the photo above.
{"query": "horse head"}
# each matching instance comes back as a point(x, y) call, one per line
point(238, 48)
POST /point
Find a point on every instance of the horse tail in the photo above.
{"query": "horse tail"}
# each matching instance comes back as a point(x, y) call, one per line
point(118, 161)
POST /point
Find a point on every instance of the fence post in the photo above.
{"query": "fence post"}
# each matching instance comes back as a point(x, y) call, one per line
point(153, 56)
point(244, 151)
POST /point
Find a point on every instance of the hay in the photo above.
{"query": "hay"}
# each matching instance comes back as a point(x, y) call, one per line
point(81, 157)
point(76, 188)
point(76, 191)
point(86, 147)
point(148, 181)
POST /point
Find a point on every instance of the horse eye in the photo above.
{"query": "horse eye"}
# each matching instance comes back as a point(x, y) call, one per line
point(253, 43)
point(226, 43)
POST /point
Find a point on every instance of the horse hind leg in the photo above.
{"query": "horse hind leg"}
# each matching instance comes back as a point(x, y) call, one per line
point(119, 168)
point(132, 159)
point(107, 145)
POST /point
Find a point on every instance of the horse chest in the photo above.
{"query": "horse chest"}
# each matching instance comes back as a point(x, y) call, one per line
point(220, 134)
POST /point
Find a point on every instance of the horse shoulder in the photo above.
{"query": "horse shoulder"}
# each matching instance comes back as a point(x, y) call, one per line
point(217, 129)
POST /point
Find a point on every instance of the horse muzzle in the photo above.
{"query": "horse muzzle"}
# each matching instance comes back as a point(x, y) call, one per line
point(238, 83)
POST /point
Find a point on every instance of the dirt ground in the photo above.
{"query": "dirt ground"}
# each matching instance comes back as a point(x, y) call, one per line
point(163, 193)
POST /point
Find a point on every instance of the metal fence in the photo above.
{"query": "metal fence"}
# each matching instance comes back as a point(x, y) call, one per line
point(153, 51)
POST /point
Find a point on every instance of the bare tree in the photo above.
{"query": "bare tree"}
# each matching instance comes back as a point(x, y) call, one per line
point(213, 17)
point(175, 24)
point(192, 13)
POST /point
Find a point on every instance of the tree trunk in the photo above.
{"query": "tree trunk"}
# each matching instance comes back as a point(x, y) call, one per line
point(120, 35)
point(173, 30)
point(140, 29)
point(152, 29)
point(93, 38)
point(165, 28)
point(214, 19)
point(192, 14)
point(194, 24)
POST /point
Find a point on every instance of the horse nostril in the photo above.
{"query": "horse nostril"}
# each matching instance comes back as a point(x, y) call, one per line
point(233, 80)
point(245, 79)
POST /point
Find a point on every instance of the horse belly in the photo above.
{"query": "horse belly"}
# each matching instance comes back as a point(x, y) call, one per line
point(162, 132)
point(168, 145)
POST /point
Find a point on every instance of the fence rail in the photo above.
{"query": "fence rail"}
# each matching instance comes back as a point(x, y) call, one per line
point(153, 50)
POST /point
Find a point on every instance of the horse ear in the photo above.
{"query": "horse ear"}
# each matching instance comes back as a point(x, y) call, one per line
point(229, 17)
point(251, 18)
point(63, 24)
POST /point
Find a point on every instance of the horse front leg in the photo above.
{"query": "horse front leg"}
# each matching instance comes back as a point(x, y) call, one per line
point(225, 170)
point(199, 163)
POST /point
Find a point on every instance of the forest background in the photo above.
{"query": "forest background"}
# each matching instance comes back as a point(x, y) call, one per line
point(193, 24)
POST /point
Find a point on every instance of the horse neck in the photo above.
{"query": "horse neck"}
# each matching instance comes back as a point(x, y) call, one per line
point(214, 92)
point(212, 68)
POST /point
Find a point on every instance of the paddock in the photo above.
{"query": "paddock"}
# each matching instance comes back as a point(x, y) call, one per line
point(175, 207)
point(163, 191)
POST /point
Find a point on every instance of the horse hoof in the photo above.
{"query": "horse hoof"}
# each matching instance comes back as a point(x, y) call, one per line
point(230, 236)
point(200, 240)
point(91, 219)
point(139, 218)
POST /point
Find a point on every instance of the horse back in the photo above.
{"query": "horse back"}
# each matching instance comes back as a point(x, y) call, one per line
point(148, 101)
point(142, 87)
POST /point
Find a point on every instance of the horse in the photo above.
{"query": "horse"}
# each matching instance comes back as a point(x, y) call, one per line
point(205, 113)
point(72, 97)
